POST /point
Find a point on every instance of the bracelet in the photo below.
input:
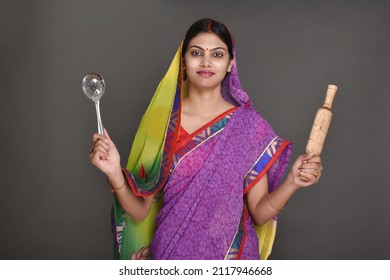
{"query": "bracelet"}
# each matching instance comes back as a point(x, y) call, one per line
point(124, 183)
point(273, 208)
point(112, 187)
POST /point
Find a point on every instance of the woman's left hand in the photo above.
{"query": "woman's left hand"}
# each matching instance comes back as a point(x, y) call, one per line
point(306, 170)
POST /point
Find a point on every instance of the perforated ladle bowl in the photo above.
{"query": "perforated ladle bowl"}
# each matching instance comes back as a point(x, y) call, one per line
point(93, 86)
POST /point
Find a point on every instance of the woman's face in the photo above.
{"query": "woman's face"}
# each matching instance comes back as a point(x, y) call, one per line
point(207, 61)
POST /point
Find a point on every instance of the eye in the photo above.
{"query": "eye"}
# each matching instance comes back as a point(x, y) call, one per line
point(218, 54)
point(196, 53)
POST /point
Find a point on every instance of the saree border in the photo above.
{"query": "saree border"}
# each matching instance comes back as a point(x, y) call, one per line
point(199, 138)
point(272, 152)
point(236, 247)
point(274, 149)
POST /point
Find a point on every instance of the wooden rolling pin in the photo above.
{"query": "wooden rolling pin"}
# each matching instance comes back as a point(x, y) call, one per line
point(321, 124)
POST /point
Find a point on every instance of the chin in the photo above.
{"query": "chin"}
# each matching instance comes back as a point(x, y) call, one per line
point(208, 83)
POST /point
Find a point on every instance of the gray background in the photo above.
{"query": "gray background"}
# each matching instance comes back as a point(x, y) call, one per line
point(55, 205)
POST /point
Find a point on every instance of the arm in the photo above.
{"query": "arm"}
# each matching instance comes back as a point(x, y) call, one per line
point(263, 206)
point(105, 156)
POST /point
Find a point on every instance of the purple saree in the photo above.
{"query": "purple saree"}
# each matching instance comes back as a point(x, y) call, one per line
point(204, 214)
point(203, 180)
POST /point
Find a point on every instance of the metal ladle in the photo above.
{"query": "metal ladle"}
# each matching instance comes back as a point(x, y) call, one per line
point(93, 86)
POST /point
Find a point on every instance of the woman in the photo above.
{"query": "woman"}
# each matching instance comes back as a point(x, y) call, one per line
point(202, 179)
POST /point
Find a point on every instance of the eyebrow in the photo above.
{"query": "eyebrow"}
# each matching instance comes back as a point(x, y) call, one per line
point(217, 48)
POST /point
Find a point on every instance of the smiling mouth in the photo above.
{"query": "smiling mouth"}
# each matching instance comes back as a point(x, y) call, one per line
point(205, 73)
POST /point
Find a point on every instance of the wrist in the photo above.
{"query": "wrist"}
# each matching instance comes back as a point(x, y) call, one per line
point(290, 180)
point(116, 178)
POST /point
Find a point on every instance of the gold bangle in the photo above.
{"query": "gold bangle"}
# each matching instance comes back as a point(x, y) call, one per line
point(124, 183)
point(273, 208)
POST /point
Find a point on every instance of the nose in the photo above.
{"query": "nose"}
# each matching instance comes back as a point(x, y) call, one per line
point(206, 62)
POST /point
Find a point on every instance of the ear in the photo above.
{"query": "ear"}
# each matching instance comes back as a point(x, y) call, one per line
point(184, 73)
point(230, 66)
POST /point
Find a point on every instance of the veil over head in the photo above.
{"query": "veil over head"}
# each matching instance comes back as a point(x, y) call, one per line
point(231, 86)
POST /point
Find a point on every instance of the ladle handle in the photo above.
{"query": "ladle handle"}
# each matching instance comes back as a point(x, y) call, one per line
point(99, 119)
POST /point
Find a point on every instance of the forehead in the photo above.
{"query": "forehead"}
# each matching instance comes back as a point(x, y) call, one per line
point(207, 40)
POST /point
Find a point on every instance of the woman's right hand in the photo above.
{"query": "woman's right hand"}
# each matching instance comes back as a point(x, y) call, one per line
point(104, 154)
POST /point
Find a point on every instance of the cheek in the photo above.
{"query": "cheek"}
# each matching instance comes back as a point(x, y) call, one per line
point(191, 69)
point(191, 63)
point(223, 67)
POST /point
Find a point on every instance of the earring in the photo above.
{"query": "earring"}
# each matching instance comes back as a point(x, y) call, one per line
point(184, 73)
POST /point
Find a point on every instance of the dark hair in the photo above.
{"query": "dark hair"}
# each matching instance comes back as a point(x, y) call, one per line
point(207, 25)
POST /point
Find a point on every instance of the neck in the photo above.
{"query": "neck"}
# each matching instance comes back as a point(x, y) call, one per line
point(204, 101)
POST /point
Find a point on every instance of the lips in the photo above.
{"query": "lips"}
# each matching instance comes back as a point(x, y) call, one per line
point(205, 73)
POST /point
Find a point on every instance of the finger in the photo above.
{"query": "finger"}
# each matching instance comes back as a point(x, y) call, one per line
point(316, 171)
point(310, 165)
point(314, 162)
point(102, 143)
point(102, 149)
point(308, 156)
point(91, 152)
point(101, 153)
point(315, 159)
point(96, 137)
point(307, 177)
point(97, 155)
point(92, 155)
point(106, 135)
point(304, 178)
point(303, 159)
